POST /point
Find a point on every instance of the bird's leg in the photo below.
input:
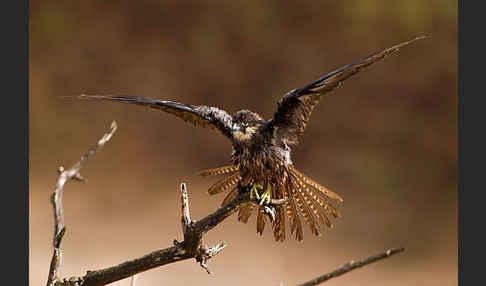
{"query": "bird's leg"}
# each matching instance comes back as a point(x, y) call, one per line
point(270, 212)
point(266, 196)
point(254, 191)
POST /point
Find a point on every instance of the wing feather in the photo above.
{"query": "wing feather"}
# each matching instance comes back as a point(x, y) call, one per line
point(295, 107)
point(199, 115)
point(224, 184)
point(229, 197)
point(245, 211)
point(218, 171)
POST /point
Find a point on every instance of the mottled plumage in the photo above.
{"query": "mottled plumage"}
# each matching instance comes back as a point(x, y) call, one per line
point(261, 150)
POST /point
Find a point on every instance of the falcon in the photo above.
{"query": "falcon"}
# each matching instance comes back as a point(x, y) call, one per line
point(261, 157)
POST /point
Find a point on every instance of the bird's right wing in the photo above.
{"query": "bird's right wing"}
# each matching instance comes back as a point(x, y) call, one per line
point(295, 107)
point(199, 115)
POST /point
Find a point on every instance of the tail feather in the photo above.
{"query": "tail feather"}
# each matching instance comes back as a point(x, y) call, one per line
point(332, 210)
point(245, 212)
point(304, 207)
point(320, 197)
point(317, 205)
point(290, 211)
point(230, 196)
point(298, 200)
point(323, 213)
point(224, 184)
point(325, 204)
point(219, 171)
point(304, 196)
point(308, 197)
point(279, 225)
point(316, 185)
point(261, 220)
point(313, 209)
point(295, 223)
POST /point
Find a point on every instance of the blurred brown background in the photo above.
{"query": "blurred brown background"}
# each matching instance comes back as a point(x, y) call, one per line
point(386, 140)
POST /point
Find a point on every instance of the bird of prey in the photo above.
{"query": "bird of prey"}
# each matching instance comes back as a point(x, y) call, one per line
point(261, 161)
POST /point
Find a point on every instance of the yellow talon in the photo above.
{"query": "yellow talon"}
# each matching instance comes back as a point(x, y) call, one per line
point(254, 191)
point(266, 196)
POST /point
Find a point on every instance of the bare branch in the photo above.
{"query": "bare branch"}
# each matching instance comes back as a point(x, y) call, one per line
point(351, 266)
point(56, 199)
point(190, 248)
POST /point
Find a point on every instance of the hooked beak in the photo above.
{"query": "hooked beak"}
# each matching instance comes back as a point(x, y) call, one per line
point(235, 127)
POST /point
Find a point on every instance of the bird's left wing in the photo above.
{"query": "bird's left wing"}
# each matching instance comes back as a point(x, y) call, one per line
point(199, 115)
point(295, 107)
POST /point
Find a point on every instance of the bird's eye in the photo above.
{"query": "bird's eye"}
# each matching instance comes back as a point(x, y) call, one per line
point(244, 124)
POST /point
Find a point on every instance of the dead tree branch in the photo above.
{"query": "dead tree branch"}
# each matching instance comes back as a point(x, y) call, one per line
point(351, 266)
point(190, 247)
point(56, 199)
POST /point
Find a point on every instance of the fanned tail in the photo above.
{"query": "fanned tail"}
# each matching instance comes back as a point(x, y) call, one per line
point(224, 184)
point(304, 196)
point(219, 171)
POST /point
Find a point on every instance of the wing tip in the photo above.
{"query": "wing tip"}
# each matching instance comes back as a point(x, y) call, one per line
point(84, 96)
point(398, 46)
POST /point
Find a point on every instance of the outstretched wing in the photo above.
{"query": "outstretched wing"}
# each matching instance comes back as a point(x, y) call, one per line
point(295, 107)
point(203, 116)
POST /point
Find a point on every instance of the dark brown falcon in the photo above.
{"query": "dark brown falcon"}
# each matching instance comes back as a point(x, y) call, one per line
point(261, 151)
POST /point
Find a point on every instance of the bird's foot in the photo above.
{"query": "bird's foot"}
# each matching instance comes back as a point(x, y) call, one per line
point(254, 191)
point(266, 196)
point(270, 212)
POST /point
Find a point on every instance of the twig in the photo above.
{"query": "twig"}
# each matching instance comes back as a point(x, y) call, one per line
point(351, 266)
point(56, 199)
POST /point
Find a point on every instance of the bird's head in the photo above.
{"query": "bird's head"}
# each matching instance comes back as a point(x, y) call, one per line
point(245, 124)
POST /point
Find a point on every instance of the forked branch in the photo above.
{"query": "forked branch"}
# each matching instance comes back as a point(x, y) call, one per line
point(56, 199)
point(190, 247)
